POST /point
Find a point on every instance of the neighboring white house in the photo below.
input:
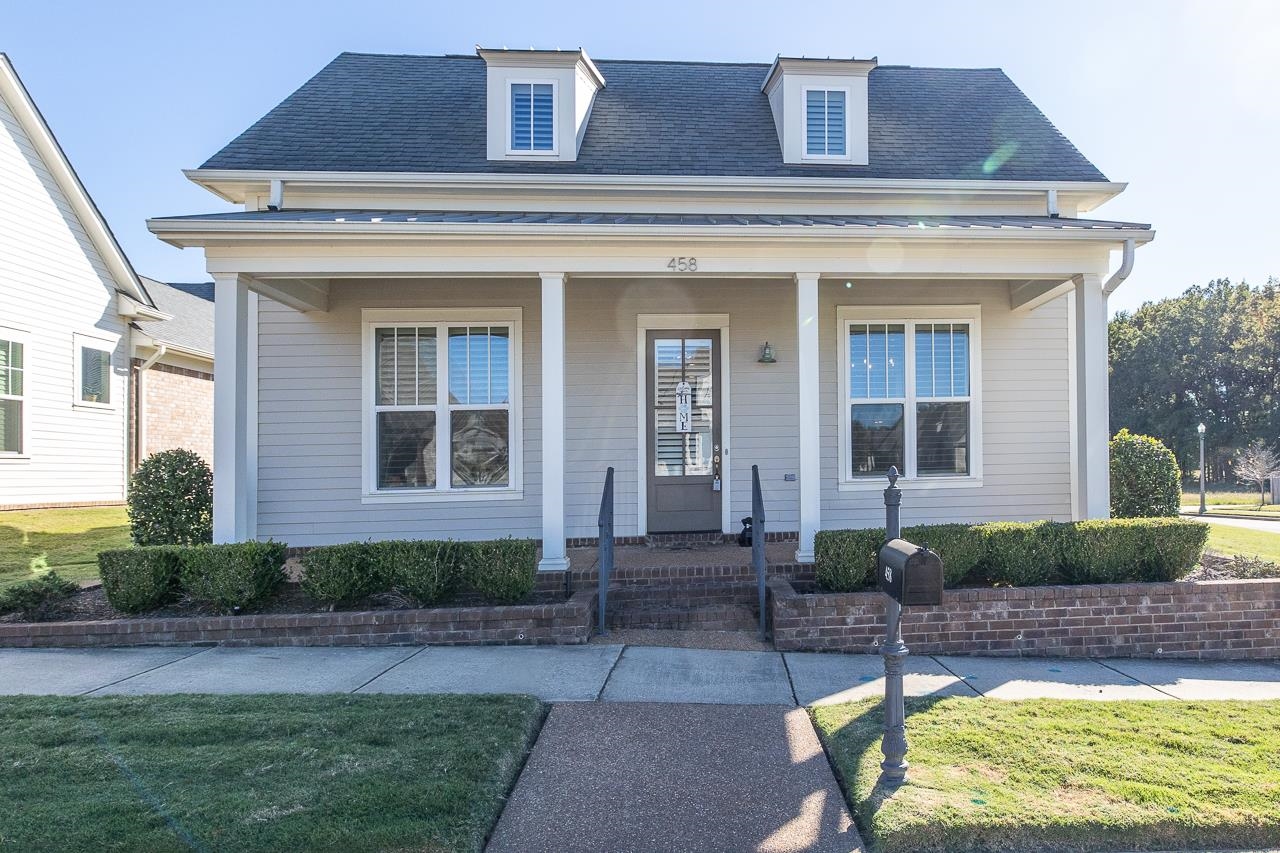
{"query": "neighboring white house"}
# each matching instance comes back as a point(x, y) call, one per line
point(70, 305)
point(462, 287)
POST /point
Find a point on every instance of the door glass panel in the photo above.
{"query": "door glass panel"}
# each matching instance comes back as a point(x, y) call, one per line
point(876, 438)
point(679, 453)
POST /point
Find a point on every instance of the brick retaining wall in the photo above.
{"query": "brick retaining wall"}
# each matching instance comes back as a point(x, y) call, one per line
point(561, 623)
point(1210, 619)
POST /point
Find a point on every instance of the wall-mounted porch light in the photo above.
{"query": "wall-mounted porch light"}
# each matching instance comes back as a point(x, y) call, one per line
point(766, 354)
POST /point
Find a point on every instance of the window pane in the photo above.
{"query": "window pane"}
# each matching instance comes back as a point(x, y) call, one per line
point(877, 361)
point(543, 117)
point(521, 117)
point(406, 359)
point(499, 364)
point(876, 438)
point(942, 360)
point(479, 365)
point(427, 366)
point(95, 376)
point(835, 122)
point(10, 426)
point(385, 353)
point(815, 122)
point(406, 450)
point(942, 438)
point(481, 442)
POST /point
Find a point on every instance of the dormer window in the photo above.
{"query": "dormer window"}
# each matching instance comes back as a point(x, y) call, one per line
point(825, 118)
point(533, 117)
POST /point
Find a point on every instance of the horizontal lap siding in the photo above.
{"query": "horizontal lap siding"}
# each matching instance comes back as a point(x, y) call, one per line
point(309, 420)
point(54, 285)
point(1025, 386)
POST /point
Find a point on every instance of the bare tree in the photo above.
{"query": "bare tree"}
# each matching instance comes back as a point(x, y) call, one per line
point(1257, 463)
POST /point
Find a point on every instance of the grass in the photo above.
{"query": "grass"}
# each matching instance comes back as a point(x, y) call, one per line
point(1230, 541)
point(1221, 497)
point(33, 542)
point(1050, 775)
point(249, 773)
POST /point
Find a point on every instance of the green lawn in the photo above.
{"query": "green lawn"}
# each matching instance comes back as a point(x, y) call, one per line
point(33, 542)
point(1230, 541)
point(1052, 775)
point(259, 773)
point(1222, 497)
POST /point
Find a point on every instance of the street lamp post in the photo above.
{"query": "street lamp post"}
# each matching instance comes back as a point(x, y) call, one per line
point(1200, 429)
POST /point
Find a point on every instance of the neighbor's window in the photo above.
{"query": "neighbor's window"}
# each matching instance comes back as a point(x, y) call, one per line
point(12, 370)
point(910, 403)
point(824, 122)
point(443, 406)
point(95, 375)
point(532, 117)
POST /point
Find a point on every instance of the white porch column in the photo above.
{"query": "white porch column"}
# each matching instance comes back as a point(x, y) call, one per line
point(1093, 474)
point(553, 551)
point(807, 384)
point(232, 490)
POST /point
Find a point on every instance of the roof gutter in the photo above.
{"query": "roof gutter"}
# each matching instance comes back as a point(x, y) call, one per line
point(1126, 267)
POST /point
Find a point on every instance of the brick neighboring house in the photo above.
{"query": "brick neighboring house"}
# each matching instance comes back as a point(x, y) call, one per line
point(172, 373)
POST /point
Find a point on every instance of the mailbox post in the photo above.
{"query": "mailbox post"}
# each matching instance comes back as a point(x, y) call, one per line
point(908, 575)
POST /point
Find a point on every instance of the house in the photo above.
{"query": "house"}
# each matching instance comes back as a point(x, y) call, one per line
point(462, 287)
point(71, 313)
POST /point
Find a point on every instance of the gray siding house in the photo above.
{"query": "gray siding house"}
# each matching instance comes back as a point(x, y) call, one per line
point(462, 287)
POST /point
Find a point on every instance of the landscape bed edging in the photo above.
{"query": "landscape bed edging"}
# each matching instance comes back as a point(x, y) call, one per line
point(1211, 620)
point(561, 623)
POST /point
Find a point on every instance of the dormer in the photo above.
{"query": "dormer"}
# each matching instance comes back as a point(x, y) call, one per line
point(538, 102)
point(820, 109)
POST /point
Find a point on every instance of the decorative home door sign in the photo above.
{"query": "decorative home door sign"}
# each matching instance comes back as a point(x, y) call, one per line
point(684, 407)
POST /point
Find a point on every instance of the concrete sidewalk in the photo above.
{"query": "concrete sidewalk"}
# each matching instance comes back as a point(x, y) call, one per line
point(615, 673)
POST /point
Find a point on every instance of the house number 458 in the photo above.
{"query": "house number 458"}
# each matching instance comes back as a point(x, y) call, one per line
point(683, 264)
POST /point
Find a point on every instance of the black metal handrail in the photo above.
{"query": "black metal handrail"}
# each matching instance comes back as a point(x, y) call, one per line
point(605, 546)
point(758, 561)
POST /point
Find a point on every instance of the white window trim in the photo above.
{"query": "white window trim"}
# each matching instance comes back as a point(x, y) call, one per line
point(22, 337)
point(101, 343)
point(804, 127)
point(372, 318)
point(554, 151)
point(908, 316)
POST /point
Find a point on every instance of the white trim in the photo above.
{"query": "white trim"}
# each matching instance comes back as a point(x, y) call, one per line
point(908, 316)
point(371, 318)
point(808, 364)
point(251, 417)
point(804, 129)
point(554, 556)
point(231, 385)
point(20, 336)
point(99, 342)
point(658, 322)
point(532, 153)
point(1093, 491)
point(1071, 406)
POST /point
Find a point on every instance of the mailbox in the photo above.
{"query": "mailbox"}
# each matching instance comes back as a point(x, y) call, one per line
point(909, 574)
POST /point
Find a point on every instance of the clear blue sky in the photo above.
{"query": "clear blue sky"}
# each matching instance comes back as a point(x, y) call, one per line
point(1181, 100)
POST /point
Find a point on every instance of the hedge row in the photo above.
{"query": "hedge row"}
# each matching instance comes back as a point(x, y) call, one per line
point(427, 572)
point(1025, 553)
point(227, 577)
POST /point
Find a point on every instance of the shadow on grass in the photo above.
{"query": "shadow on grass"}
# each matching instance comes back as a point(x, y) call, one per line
point(27, 554)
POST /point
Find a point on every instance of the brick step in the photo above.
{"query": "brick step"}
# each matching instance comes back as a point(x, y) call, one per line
point(711, 617)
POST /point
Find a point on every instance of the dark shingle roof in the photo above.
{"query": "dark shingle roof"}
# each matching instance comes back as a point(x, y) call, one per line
point(516, 219)
point(191, 327)
point(379, 113)
point(201, 289)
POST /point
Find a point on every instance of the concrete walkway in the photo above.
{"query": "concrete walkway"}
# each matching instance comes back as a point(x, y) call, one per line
point(616, 673)
point(1266, 525)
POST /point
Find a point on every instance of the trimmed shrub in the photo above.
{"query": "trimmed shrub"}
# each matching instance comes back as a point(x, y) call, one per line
point(426, 571)
point(340, 574)
point(500, 570)
point(845, 560)
point(140, 579)
point(33, 597)
point(1173, 547)
point(171, 500)
point(961, 547)
point(1019, 553)
point(1145, 480)
point(233, 576)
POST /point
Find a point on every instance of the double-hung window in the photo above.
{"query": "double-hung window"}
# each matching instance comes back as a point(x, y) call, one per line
point(825, 122)
point(12, 395)
point(92, 371)
point(442, 393)
point(912, 399)
point(533, 117)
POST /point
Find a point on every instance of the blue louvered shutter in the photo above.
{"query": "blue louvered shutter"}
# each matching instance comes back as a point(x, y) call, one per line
point(532, 117)
point(824, 122)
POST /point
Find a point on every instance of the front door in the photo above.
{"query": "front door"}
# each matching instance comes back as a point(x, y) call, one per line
point(684, 431)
